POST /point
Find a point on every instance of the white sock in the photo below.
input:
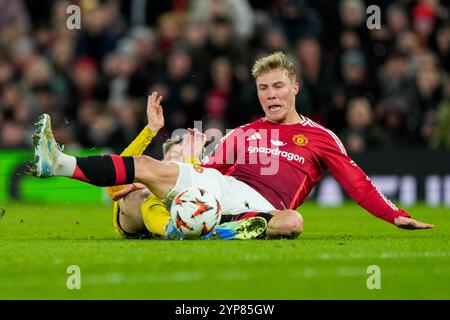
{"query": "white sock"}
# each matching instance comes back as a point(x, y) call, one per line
point(67, 165)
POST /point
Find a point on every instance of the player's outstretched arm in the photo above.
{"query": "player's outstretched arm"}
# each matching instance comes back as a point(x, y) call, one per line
point(155, 117)
point(356, 183)
point(359, 186)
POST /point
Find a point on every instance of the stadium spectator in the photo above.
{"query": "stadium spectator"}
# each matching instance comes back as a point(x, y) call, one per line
point(395, 118)
point(423, 21)
point(435, 128)
point(438, 132)
point(299, 20)
point(195, 39)
point(13, 135)
point(13, 107)
point(394, 76)
point(85, 84)
point(355, 74)
point(443, 45)
point(182, 90)
point(397, 18)
point(218, 96)
point(349, 40)
point(407, 43)
point(223, 43)
point(124, 80)
point(362, 133)
point(62, 56)
point(147, 55)
point(98, 35)
point(14, 20)
point(428, 86)
point(352, 16)
point(336, 109)
point(169, 31)
point(315, 77)
point(274, 40)
point(241, 17)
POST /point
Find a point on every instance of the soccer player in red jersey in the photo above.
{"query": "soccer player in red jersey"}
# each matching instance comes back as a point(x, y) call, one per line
point(267, 167)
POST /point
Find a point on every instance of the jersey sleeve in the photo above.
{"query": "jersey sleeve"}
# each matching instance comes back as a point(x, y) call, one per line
point(356, 183)
point(223, 157)
point(140, 143)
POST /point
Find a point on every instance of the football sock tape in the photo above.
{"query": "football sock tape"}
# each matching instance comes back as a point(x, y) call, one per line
point(231, 217)
point(105, 170)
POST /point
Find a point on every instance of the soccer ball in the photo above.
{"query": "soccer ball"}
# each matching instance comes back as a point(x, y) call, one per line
point(195, 212)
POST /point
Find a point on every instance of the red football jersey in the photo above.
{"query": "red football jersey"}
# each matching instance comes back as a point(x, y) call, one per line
point(283, 162)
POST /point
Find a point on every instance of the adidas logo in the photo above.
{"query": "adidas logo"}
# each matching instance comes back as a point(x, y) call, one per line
point(254, 136)
point(278, 143)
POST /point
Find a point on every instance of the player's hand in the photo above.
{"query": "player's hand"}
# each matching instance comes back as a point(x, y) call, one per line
point(408, 223)
point(155, 117)
point(193, 143)
point(128, 189)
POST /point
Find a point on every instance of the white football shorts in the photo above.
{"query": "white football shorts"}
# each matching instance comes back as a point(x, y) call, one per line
point(233, 195)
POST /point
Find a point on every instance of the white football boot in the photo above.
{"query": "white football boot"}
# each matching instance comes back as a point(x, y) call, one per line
point(46, 150)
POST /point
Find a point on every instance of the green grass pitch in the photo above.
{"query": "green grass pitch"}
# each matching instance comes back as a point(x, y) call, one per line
point(328, 261)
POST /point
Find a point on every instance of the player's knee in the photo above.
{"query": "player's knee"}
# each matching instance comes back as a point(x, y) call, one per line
point(293, 223)
point(142, 161)
point(145, 168)
point(285, 224)
point(151, 169)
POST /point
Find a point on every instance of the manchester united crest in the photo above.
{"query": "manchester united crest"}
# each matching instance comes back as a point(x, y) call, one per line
point(198, 168)
point(300, 140)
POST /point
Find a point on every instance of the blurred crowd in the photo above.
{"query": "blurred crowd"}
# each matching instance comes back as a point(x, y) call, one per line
point(380, 88)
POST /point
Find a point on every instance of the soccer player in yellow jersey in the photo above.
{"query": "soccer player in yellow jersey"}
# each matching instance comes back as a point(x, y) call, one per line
point(139, 214)
point(136, 212)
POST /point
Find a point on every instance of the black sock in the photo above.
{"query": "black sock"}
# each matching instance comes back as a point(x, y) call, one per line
point(245, 215)
point(105, 170)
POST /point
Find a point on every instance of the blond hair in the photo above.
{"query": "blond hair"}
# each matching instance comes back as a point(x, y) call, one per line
point(276, 60)
point(171, 142)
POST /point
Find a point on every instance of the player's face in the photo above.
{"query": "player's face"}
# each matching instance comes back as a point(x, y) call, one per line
point(130, 210)
point(276, 94)
point(131, 203)
point(175, 153)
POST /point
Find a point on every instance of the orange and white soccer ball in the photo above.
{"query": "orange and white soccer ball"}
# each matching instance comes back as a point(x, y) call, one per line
point(195, 212)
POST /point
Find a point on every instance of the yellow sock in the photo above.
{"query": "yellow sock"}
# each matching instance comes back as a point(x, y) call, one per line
point(155, 215)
